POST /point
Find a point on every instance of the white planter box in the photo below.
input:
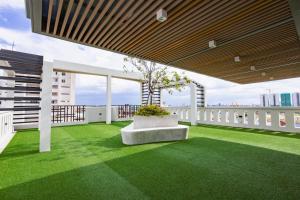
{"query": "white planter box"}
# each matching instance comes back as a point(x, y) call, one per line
point(154, 121)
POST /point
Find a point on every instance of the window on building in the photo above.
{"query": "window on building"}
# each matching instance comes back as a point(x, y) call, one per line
point(63, 80)
point(63, 73)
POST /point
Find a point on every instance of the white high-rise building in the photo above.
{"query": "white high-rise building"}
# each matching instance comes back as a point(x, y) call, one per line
point(63, 88)
point(296, 99)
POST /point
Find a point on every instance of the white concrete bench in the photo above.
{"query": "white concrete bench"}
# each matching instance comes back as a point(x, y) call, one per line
point(131, 136)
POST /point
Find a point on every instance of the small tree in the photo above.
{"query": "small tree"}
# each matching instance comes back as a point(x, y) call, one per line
point(156, 76)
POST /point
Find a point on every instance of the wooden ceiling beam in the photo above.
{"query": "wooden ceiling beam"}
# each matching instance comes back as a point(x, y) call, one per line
point(207, 32)
point(234, 40)
point(191, 45)
point(58, 13)
point(109, 18)
point(119, 23)
point(50, 7)
point(78, 7)
point(123, 28)
point(150, 23)
point(140, 20)
point(254, 46)
point(90, 19)
point(99, 18)
point(82, 18)
point(70, 5)
point(181, 29)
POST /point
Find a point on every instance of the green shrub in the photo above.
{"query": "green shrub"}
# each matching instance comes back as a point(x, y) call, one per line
point(150, 110)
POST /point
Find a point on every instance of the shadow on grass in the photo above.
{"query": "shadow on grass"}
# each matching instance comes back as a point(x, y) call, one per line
point(198, 168)
point(251, 130)
point(16, 154)
point(121, 124)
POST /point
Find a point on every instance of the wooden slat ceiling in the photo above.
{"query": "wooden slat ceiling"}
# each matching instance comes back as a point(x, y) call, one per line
point(261, 32)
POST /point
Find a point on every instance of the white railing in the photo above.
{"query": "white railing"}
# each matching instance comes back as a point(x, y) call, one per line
point(269, 118)
point(6, 123)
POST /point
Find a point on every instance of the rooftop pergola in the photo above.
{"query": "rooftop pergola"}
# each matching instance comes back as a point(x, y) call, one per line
point(254, 41)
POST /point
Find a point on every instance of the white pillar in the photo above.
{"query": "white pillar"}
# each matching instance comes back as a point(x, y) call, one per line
point(141, 92)
point(108, 99)
point(193, 99)
point(45, 112)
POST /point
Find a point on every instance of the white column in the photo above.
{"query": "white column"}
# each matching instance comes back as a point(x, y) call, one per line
point(45, 112)
point(108, 99)
point(193, 98)
point(141, 92)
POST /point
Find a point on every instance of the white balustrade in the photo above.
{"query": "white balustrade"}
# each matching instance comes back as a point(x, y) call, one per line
point(270, 118)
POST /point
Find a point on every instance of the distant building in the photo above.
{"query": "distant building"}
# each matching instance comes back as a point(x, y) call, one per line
point(296, 99)
point(286, 99)
point(6, 93)
point(63, 88)
point(283, 99)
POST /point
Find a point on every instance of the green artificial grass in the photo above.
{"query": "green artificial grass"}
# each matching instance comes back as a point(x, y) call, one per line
point(90, 162)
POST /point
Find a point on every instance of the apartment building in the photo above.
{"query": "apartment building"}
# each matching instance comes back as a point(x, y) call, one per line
point(6, 93)
point(283, 99)
point(63, 88)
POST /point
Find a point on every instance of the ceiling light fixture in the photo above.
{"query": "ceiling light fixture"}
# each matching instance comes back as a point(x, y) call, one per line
point(252, 68)
point(237, 59)
point(271, 78)
point(263, 74)
point(161, 15)
point(212, 44)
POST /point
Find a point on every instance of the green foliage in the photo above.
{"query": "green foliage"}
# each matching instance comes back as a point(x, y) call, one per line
point(156, 76)
point(152, 110)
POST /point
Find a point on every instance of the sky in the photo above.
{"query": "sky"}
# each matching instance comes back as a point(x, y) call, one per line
point(90, 90)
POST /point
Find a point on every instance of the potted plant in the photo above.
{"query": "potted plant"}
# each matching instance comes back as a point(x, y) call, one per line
point(152, 116)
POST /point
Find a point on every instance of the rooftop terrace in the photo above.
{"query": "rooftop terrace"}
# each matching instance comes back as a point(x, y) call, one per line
point(90, 162)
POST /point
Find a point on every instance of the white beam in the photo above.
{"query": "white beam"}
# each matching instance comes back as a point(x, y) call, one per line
point(108, 99)
point(95, 70)
point(193, 99)
point(45, 112)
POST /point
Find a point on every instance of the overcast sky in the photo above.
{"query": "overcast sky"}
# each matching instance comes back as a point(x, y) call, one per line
point(15, 28)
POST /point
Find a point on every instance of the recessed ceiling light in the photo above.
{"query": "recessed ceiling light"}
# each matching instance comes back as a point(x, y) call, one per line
point(237, 59)
point(263, 74)
point(212, 44)
point(271, 78)
point(161, 15)
point(252, 68)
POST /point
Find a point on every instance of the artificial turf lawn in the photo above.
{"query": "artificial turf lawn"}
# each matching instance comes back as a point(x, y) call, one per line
point(90, 162)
